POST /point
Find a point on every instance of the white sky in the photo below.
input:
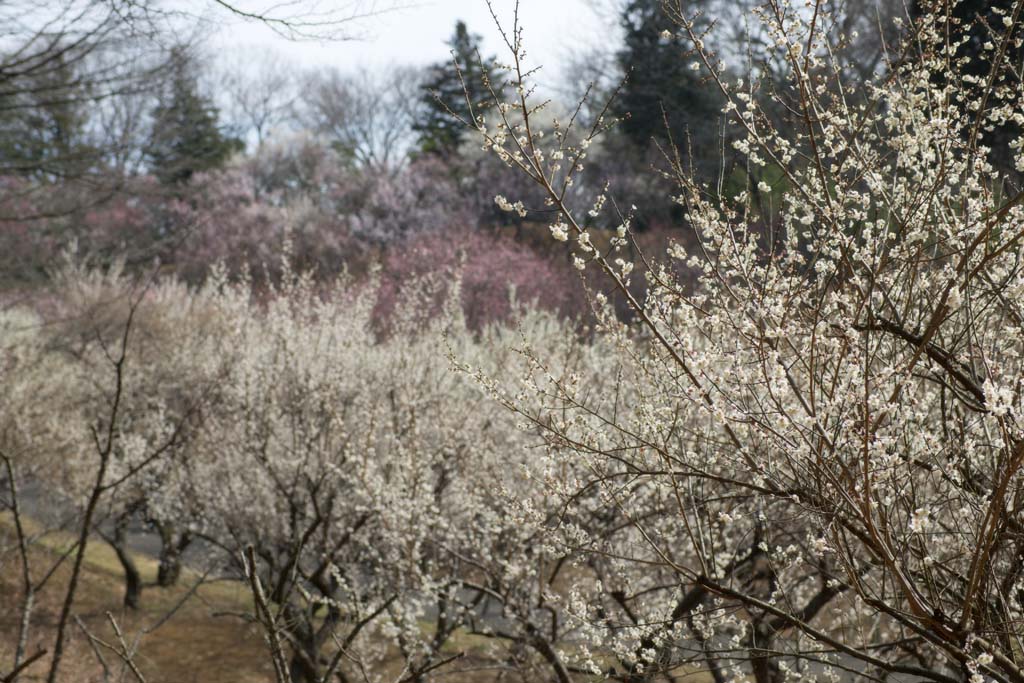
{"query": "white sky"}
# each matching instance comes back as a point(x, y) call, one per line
point(416, 35)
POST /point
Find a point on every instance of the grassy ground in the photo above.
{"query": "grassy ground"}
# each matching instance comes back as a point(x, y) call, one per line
point(190, 647)
point(193, 646)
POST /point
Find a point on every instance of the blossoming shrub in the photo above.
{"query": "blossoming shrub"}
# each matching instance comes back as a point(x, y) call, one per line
point(819, 470)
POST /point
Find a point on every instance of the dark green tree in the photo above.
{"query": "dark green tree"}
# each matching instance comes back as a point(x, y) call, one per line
point(43, 117)
point(660, 85)
point(444, 94)
point(186, 138)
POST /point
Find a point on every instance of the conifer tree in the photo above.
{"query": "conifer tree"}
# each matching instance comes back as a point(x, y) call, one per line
point(662, 83)
point(444, 93)
point(186, 138)
point(42, 123)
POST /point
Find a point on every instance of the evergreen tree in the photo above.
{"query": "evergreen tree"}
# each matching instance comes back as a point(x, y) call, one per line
point(186, 138)
point(42, 124)
point(444, 93)
point(661, 84)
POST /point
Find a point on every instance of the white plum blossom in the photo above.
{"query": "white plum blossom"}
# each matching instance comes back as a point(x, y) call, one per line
point(920, 520)
point(560, 231)
point(505, 205)
point(998, 398)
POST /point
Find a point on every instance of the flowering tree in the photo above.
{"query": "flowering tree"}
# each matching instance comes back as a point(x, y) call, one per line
point(495, 277)
point(161, 392)
point(347, 477)
point(298, 190)
point(103, 397)
point(820, 466)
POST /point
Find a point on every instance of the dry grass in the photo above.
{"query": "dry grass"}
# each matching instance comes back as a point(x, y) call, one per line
point(190, 647)
point(193, 645)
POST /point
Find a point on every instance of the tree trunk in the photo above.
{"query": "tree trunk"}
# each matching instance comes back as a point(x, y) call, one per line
point(308, 640)
point(172, 545)
point(301, 671)
point(132, 578)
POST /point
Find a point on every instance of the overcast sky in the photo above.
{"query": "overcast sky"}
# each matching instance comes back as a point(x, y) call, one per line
point(417, 34)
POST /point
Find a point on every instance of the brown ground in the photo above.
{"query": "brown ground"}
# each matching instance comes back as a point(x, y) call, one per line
point(195, 645)
point(191, 647)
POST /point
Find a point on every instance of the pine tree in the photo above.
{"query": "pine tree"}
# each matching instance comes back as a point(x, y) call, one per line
point(444, 94)
point(42, 124)
point(186, 138)
point(661, 84)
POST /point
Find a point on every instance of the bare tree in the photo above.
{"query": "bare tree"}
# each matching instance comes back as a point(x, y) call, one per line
point(366, 115)
point(259, 92)
point(72, 72)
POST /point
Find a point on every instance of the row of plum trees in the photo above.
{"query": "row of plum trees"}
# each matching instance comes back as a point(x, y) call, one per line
point(288, 440)
point(802, 461)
